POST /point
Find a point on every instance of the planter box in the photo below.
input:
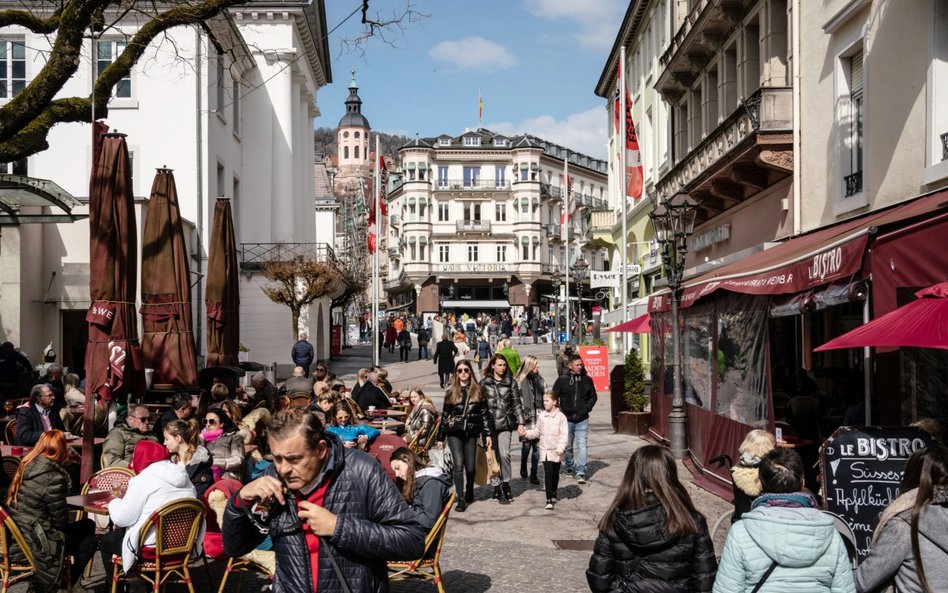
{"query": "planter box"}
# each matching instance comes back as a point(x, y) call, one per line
point(634, 423)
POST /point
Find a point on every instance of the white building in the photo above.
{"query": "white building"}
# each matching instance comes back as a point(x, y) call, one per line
point(475, 224)
point(236, 124)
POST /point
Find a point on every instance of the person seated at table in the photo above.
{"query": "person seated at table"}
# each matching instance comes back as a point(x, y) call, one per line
point(362, 378)
point(232, 410)
point(325, 399)
point(426, 488)
point(37, 503)
point(351, 435)
point(180, 410)
point(54, 378)
point(74, 396)
point(421, 421)
point(119, 446)
point(184, 445)
point(265, 393)
point(225, 444)
point(299, 383)
point(36, 417)
point(219, 394)
point(157, 482)
point(371, 395)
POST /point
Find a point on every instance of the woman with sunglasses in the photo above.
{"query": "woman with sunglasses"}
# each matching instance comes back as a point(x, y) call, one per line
point(505, 417)
point(225, 445)
point(351, 435)
point(463, 421)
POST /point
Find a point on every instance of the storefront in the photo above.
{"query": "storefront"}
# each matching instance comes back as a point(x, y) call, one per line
point(749, 327)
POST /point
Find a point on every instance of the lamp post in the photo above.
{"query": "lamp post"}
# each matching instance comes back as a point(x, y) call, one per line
point(580, 268)
point(557, 278)
point(674, 221)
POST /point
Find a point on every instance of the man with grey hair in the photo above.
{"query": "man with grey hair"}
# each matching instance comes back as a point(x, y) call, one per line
point(264, 391)
point(119, 446)
point(302, 353)
point(371, 395)
point(37, 417)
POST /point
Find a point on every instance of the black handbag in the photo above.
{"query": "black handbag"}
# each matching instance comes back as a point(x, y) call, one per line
point(455, 422)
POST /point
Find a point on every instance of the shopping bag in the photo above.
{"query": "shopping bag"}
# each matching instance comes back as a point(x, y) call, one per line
point(493, 466)
point(481, 470)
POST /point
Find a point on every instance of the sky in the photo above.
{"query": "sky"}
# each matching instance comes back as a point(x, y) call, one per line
point(535, 63)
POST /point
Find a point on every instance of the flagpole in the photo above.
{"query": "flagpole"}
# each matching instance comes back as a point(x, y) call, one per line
point(566, 229)
point(376, 281)
point(621, 88)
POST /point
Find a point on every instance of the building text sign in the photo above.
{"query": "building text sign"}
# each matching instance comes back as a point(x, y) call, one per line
point(498, 267)
point(605, 279)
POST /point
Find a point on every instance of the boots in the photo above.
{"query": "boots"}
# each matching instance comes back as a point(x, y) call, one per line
point(497, 495)
point(508, 495)
point(523, 469)
point(461, 506)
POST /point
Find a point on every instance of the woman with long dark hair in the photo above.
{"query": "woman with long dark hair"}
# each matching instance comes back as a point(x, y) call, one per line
point(463, 420)
point(37, 503)
point(350, 433)
point(426, 488)
point(224, 443)
point(651, 537)
point(910, 543)
point(505, 419)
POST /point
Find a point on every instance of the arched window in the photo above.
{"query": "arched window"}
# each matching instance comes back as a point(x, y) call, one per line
point(345, 134)
point(357, 150)
point(345, 152)
point(357, 135)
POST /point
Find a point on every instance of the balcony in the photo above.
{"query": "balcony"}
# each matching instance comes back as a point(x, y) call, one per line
point(253, 255)
point(394, 219)
point(472, 185)
point(944, 146)
point(473, 226)
point(748, 152)
point(602, 220)
point(853, 183)
point(550, 191)
point(553, 230)
point(394, 253)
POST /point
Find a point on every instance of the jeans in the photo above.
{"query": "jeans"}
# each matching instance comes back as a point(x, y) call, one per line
point(422, 351)
point(462, 455)
point(501, 443)
point(578, 431)
point(529, 450)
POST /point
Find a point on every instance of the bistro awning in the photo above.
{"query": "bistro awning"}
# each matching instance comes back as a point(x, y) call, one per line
point(474, 304)
point(804, 262)
point(20, 191)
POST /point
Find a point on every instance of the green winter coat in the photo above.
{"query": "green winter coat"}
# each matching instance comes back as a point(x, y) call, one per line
point(120, 444)
point(40, 513)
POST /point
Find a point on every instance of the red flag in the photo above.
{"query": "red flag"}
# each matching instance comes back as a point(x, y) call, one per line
point(633, 159)
point(371, 238)
point(383, 189)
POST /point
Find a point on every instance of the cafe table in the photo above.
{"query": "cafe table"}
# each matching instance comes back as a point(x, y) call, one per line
point(76, 443)
point(95, 502)
point(390, 413)
point(384, 423)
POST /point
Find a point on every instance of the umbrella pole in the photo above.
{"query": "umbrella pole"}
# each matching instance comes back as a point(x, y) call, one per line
point(867, 367)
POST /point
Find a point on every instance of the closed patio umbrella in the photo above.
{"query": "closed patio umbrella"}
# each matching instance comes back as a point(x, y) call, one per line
point(114, 367)
point(923, 323)
point(167, 342)
point(223, 296)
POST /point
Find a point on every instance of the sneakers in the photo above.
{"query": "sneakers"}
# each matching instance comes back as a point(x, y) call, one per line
point(549, 504)
point(568, 471)
point(508, 495)
point(580, 479)
point(497, 495)
point(554, 500)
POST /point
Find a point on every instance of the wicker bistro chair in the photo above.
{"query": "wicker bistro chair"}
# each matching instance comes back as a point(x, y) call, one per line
point(428, 567)
point(11, 573)
point(258, 561)
point(9, 433)
point(10, 465)
point(299, 399)
point(421, 446)
point(108, 478)
point(177, 525)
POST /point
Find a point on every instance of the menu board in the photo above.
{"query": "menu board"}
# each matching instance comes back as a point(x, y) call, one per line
point(861, 470)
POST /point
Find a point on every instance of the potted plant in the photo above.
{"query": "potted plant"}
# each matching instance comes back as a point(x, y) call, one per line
point(634, 420)
point(243, 353)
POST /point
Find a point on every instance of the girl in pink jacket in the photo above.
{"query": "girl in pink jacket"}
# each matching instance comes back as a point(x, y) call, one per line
point(551, 429)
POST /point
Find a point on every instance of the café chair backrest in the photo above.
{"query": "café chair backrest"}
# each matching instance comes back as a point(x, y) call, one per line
point(421, 446)
point(300, 399)
point(428, 567)
point(11, 572)
point(9, 433)
point(10, 465)
point(108, 478)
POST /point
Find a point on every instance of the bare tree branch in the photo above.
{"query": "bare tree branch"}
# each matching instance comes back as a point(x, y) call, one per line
point(13, 17)
point(299, 282)
point(387, 28)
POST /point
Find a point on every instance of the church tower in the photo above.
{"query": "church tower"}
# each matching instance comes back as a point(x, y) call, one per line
point(352, 136)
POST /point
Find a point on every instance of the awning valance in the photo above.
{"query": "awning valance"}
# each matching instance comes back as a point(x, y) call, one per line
point(423, 201)
point(524, 201)
point(423, 240)
point(536, 201)
point(410, 166)
point(411, 201)
point(411, 240)
point(802, 263)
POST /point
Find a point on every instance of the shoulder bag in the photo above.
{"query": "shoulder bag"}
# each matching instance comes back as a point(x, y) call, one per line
point(760, 583)
point(455, 422)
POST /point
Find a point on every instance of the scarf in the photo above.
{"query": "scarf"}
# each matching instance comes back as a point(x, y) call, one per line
point(211, 436)
point(790, 500)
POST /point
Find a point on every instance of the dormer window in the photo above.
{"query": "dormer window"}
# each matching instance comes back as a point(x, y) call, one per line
point(472, 141)
point(500, 142)
point(444, 142)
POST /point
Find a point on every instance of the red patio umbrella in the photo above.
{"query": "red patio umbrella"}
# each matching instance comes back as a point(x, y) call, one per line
point(167, 342)
point(923, 323)
point(114, 367)
point(639, 325)
point(223, 294)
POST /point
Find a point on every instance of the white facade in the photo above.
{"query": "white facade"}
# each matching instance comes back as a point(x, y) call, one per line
point(237, 125)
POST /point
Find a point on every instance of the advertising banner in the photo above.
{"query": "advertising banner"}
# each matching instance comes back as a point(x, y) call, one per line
point(596, 361)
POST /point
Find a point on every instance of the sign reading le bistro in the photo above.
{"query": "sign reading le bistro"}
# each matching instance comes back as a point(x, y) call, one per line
point(473, 268)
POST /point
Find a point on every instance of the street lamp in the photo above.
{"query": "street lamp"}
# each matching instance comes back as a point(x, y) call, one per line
point(557, 278)
point(580, 268)
point(674, 221)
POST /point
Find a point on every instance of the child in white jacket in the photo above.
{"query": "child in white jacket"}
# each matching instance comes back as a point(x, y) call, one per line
point(553, 433)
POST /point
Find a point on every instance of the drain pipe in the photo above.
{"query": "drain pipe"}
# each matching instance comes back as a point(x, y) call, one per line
point(795, 82)
point(199, 174)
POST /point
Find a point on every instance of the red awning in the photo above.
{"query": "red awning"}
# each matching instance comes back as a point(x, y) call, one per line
point(804, 262)
point(639, 325)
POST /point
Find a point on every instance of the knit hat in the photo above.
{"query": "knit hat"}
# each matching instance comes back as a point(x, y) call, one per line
point(146, 453)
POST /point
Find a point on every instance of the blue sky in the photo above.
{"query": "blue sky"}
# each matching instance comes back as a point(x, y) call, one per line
point(535, 62)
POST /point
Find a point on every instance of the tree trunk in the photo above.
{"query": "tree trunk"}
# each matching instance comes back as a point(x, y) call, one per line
point(296, 322)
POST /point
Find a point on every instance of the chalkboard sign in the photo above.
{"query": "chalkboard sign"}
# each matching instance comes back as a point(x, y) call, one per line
point(862, 470)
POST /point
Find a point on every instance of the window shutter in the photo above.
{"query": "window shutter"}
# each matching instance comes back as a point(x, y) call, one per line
point(855, 73)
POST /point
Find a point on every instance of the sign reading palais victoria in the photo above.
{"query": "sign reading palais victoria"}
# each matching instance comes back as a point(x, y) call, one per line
point(767, 273)
point(473, 267)
point(862, 469)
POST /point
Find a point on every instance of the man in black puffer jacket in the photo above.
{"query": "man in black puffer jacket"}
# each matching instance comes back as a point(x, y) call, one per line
point(332, 513)
point(577, 399)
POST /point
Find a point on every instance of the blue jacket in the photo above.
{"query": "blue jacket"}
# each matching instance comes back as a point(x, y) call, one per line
point(810, 554)
point(351, 432)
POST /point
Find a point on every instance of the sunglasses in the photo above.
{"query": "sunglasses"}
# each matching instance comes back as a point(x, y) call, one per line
point(464, 370)
point(210, 422)
point(321, 369)
point(144, 418)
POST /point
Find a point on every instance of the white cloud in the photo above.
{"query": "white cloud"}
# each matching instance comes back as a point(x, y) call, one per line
point(473, 53)
point(596, 20)
point(583, 132)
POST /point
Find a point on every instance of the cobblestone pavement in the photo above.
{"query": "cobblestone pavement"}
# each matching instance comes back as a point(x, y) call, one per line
point(514, 548)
